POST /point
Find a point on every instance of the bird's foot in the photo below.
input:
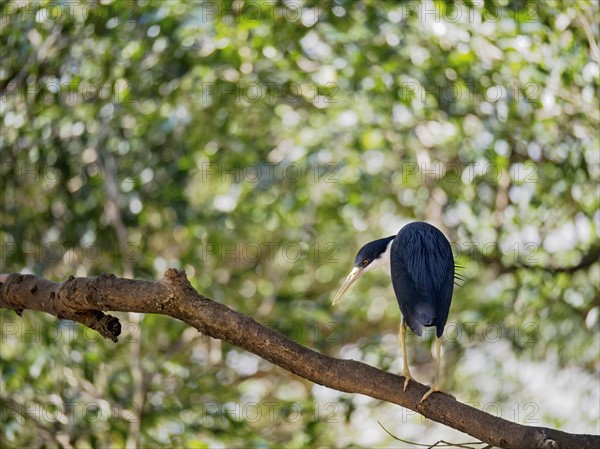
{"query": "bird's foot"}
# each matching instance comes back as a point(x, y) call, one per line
point(434, 388)
point(407, 377)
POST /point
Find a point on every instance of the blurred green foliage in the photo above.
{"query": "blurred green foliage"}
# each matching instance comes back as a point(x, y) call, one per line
point(258, 145)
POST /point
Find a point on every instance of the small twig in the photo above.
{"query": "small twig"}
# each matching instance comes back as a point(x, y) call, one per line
point(441, 443)
point(48, 435)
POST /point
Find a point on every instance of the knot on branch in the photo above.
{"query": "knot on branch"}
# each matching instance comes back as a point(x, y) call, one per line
point(545, 442)
point(174, 276)
point(177, 280)
point(106, 325)
point(177, 284)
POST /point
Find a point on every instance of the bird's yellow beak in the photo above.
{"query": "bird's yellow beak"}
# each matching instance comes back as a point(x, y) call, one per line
point(352, 277)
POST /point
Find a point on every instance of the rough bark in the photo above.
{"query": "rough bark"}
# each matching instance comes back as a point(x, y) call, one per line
point(85, 299)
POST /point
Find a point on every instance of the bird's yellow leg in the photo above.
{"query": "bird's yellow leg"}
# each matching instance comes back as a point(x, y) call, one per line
point(436, 382)
point(405, 371)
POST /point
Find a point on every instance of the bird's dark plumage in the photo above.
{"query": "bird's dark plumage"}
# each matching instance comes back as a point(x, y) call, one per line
point(422, 270)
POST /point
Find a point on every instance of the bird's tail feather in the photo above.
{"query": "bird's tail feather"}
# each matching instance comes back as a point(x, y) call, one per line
point(425, 314)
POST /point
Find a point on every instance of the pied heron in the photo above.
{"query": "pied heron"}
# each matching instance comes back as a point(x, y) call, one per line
point(422, 270)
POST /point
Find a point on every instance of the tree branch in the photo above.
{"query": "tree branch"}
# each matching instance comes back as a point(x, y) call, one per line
point(85, 299)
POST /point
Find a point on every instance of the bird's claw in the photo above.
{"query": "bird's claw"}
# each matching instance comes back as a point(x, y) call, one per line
point(407, 377)
point(434, 388)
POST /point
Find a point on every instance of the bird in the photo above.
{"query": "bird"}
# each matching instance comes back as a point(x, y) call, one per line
point(423, 273)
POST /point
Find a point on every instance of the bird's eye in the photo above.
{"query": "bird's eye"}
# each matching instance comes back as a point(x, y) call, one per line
point(366, 262)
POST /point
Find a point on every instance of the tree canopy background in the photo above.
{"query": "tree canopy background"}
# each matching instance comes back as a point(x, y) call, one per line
point(258, 145)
